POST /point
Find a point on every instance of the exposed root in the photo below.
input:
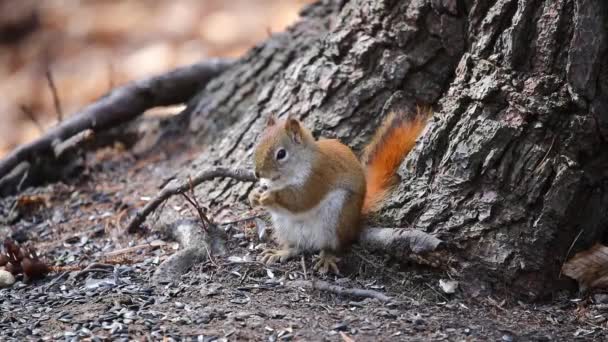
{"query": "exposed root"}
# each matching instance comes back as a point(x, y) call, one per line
point(119, 106)
point(399, 240)
point(339, 290)
point(197, 246)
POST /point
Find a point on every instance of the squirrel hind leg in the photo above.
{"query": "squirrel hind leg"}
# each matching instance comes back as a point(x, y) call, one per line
point(327, 262)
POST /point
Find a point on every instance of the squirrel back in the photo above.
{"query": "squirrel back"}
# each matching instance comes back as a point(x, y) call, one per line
point(391, 143)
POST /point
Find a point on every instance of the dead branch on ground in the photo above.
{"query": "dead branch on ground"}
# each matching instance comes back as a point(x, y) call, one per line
point(174, 188)
point(117, 107)
point(339, 290)
point(197, 245)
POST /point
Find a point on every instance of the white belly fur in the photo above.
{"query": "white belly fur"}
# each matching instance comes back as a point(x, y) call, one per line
point(314, 229)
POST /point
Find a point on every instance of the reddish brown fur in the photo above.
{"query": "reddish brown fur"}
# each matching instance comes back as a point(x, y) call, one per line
point(334, 166)
point(384, 154)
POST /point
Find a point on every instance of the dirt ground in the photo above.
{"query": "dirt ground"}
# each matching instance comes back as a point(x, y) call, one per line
point(232, 297)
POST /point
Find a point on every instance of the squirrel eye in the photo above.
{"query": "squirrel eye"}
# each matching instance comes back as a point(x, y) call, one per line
point(281, 154)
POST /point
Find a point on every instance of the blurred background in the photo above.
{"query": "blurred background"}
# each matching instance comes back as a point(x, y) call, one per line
point(90, 46)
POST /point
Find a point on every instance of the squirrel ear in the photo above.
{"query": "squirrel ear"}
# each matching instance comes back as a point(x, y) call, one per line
point(293, 128)
point(272, 120)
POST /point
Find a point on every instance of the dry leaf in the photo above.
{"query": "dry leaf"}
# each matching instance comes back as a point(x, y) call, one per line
point(589, 268)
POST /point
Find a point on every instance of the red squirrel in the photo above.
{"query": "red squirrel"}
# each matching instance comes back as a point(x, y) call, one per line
point(317, 191)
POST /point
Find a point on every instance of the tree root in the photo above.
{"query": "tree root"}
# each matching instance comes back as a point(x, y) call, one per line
point(197, 246)
point(403, 240)
point(339, 290)
point(119, 106)
point(174, 188)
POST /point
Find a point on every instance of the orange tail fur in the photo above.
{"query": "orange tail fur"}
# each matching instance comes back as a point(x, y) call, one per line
point(384, 154)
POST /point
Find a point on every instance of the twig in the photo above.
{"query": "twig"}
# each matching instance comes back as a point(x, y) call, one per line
point(206, 223)
point(73, 142)
point(545, 156)
point(131, 249)
point(199, 210)
point(244, 219)
point(437, 292)
point(30, 115)
point(211, 258)
point(110, 75)
point(56, 101)
point(119, 106)
point(339, 290)
point(302, 261)
point(57, 279)
point(570, 250)
point(95, 267)
point(15, 178)
point(174, 188)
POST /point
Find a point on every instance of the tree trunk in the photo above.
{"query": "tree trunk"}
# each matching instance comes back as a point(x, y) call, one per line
point(513, 165)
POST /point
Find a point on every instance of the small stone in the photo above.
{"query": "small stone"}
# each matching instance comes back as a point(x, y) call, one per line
point(448, 286)
point(507, 338)
point(6, 278)
point(277, 314)
point(342, 326)
point(418, 320)
point(600, 298)
point(179, 305)
point(242, 315)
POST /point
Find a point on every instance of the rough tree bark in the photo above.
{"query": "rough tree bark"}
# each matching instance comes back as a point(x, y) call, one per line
point(514, 164)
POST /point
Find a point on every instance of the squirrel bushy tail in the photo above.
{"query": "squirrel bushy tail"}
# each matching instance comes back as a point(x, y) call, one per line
point(391, 143)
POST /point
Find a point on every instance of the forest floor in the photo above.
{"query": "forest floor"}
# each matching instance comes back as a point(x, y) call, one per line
point(232, 297)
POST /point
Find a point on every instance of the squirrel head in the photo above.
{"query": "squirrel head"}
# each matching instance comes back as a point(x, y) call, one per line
point(284, 153)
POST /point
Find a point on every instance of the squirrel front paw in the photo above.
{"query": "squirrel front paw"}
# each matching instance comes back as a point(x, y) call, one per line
point(254, 197)
point(261, 196)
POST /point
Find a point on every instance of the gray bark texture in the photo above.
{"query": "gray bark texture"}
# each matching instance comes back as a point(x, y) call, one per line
point(513, 165)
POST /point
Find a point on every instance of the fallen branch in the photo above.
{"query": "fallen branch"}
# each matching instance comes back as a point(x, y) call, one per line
point(119, 106)
point(339, 290)
point(95, 267)
point(244, 219)
point(154, 244)
point(174, 188)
